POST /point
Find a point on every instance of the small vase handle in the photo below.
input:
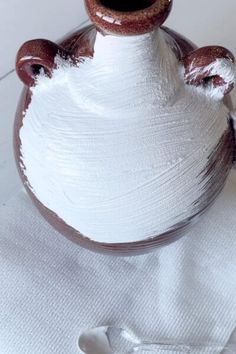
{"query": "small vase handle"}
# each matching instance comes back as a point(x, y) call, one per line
point(37, 55)
point(212, 67)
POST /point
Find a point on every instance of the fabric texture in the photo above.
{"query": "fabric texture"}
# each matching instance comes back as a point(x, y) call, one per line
point(51, 289)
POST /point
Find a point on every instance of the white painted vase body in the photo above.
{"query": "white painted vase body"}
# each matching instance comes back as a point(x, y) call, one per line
point(118, 147)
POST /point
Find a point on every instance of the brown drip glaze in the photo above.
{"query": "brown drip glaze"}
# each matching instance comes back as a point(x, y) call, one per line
point(81, 43)
point(180, 45)
point(214, 174)
point(121, 17)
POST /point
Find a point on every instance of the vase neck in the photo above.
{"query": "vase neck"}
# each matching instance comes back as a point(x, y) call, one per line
point(122, 17)
point(117, 47)
point(146, 60)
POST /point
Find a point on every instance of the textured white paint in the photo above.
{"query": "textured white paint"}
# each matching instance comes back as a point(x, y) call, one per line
point(115, 148)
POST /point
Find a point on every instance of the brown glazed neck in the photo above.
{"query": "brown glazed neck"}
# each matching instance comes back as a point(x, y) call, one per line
point(128, 17)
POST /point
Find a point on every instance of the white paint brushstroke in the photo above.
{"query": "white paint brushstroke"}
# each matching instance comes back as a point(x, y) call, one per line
point(115, 148)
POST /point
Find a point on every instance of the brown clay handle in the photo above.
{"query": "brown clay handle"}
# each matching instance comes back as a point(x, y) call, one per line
point(211, 66)
point(37, 55)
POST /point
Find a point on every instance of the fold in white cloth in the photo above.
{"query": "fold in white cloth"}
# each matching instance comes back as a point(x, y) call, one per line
point(51, 289)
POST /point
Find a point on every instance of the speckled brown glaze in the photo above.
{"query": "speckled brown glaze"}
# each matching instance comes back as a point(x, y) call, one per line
point(214, 174)
point(204, 57)
point(35, 55)
point(123, 17)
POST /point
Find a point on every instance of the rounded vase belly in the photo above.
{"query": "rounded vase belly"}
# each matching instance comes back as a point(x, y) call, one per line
point(116, 150)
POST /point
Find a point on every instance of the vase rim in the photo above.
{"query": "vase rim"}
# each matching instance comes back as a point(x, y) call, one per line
point(122, 17)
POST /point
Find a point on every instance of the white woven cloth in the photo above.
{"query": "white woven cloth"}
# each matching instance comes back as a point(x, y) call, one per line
point(51, 289)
